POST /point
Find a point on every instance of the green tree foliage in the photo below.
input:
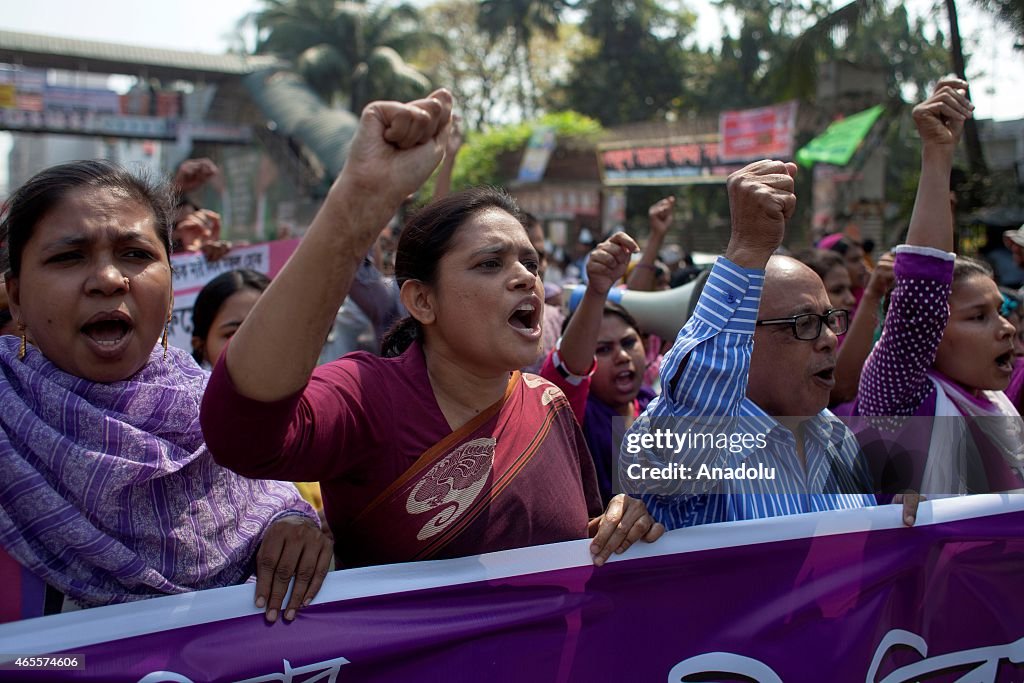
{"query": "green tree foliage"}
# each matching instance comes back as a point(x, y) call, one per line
point(475, 67)
point(1010, 12)
point(349, 52)
point(745, 61)
point(483, 69)
point(636, 65)
point(477, 163)
point(519, 22)
point(871, 33)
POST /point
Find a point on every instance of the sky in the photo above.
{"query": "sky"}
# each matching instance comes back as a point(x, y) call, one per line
point(996, 72)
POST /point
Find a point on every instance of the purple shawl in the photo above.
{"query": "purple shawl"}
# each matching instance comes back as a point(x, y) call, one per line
point(107, 491)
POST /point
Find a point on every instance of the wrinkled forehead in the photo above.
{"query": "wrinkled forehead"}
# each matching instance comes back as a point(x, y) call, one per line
point(92, 209)
point(791, 288)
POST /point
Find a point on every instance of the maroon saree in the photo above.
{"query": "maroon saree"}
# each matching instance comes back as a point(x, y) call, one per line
point(517, 474)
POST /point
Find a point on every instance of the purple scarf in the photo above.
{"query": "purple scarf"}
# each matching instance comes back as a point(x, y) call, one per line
point(107, 491)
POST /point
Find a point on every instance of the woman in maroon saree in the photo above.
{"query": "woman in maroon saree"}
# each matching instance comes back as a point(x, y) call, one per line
point(441, 448)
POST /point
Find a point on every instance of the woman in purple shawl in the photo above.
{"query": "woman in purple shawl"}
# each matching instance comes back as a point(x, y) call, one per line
point(107, 491)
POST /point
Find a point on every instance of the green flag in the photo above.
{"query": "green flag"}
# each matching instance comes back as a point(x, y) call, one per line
point(840, 140)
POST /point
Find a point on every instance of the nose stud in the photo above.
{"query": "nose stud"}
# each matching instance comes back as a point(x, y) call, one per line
point(127, 283)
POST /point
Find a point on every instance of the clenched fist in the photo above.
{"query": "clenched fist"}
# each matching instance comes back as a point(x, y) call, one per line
point(761, 200)
point(940, 119)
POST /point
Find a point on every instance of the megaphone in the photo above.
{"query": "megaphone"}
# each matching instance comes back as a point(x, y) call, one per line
point(662, 313)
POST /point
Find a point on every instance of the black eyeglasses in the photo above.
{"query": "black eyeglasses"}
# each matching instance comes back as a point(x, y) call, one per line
point(807, 327)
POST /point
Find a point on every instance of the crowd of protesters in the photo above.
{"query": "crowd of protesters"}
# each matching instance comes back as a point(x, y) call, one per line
point(431, 437)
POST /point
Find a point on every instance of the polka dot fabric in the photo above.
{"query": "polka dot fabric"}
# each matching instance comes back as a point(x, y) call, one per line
point(893, 381)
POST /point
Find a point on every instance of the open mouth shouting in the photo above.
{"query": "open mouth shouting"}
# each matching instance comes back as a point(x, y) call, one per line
point(108, 333)
point(1004, 362)
point(625, 381)
point(525, 318)
point(826, 377)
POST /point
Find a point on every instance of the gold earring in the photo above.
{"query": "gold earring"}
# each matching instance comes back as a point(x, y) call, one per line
point(24, 342)
point(164, 340)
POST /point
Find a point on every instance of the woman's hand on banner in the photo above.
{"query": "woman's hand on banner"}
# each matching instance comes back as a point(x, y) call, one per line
point(295, 547)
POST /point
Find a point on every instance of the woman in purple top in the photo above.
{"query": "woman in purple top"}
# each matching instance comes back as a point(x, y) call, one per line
point(109, 493)
point(945, 350)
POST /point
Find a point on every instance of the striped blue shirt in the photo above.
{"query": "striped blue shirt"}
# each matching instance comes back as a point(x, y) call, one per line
point(705, 374)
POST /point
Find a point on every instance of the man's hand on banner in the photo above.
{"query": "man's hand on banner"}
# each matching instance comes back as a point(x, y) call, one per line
point(292, 547)
point(910, 501)
point(623, 523)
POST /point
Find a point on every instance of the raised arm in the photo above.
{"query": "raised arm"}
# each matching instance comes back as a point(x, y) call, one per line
point(395, 149)
point(940, 122)
point(700, 374)
point(705, 373)
point(860, 337)
point(659, 217)
point(570, 365)
point(894, 381)
point(606, 266)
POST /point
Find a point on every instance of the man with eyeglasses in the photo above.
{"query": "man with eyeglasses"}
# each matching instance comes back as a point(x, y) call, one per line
point(757, 359)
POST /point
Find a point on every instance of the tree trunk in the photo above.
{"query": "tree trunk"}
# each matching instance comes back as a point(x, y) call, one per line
point(975, 153)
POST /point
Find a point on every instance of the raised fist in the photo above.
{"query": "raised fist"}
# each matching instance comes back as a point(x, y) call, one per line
point(660, 215)
point(193, 174)
point(940, 119)
point(761, 200)
point(608, 261)
point(882, 277)
point(455, 138)
point(397, 146)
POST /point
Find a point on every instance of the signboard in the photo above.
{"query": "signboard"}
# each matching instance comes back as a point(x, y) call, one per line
point(28, 85)
point(762, 133)
point(93, 100)
point(686, 161)
point(193, 271)
point(538, 152)
point(114, 125)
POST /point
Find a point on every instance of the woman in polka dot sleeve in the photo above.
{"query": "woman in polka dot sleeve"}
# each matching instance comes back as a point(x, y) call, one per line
point(946, 353)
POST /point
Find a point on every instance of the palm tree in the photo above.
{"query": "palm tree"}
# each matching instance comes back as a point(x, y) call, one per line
point(975, 153)
point(349, 52)
point(523, 19)
point(801, 62)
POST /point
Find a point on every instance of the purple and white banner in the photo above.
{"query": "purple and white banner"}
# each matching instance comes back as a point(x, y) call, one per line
point(839, 596)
